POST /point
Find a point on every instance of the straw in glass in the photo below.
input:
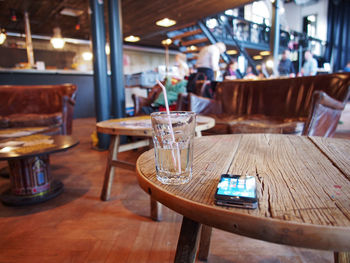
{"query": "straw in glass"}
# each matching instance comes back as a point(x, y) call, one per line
point(171, 128)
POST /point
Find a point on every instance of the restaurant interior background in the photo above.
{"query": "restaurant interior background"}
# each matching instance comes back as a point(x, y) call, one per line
point(77, 226)
point(148, 54)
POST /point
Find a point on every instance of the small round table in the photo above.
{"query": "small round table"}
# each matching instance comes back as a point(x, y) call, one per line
point(19, 132)
point(303, 186)
point(133, 126)
point(30, 177)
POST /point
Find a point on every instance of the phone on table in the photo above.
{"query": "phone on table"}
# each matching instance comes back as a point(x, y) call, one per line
point(237, 191)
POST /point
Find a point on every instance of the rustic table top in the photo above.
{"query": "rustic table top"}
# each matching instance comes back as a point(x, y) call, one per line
point(34, 145)
point(303, 186)
point(142, 126)
point(18, 132)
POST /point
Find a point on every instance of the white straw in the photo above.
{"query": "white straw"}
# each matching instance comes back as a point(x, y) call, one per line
point(171, 127)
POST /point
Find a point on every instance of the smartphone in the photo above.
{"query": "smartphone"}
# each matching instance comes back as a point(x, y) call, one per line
point(237, 191)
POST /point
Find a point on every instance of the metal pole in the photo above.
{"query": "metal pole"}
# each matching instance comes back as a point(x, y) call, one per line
point(29, 43)
point(100, 68)
point(116, 45)
point(275, 35)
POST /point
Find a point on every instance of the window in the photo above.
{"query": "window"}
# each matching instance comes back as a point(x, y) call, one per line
point(309, 25)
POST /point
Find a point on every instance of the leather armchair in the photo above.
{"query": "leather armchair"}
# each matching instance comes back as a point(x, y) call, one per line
point(324, 115)
point(38, 105)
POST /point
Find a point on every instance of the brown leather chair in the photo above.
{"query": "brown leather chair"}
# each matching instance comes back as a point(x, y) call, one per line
point(324, 115)
point(38, 105)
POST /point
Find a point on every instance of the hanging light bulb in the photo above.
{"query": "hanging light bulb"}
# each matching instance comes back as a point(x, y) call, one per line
point(57, 41)
point(13, 15)
point(77, 25)
point(2, 36)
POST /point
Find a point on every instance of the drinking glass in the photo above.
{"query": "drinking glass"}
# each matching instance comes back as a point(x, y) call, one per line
point(173, 145)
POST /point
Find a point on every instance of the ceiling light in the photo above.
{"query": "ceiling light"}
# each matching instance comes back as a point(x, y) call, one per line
point(132, 38)
point(212, 23)
point(71, 12)
point(57, 41)
point(13, 15)
point(257, 57)
point(265, 53)
point(192, 48)
point(87, 56)
point(77, 25)
point(166, 42)
point(231, 52)
point(2, 36)
point(165, 22)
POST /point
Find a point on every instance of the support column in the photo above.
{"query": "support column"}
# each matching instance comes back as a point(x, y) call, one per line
point(100, 68)
point(116, 44)
point(275, 35)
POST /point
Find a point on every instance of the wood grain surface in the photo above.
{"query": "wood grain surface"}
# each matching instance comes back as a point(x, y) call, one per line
point(303, 188)
point(121, 127)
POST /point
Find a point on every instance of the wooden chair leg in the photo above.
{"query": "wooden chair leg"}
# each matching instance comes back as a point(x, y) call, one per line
point(341, 257)
point(204, 244)
point(188, 241)
point(156, 210)
point(109, 173)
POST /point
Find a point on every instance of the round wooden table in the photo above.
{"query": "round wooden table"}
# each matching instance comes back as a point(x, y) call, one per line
point(28, 159)
point(19, 132)
point(133, 126)
point(303, 186)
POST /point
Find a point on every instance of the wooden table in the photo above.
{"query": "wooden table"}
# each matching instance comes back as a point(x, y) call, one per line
point(303, 190)
point(19, 132)
point(133, 126)
point(28, 159)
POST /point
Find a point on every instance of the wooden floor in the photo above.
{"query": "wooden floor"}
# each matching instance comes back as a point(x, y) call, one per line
point(78, 227)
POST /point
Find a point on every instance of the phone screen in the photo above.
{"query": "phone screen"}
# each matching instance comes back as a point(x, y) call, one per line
point(239, 186)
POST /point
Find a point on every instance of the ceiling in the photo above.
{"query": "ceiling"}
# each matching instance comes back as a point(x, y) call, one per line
point(138, 16)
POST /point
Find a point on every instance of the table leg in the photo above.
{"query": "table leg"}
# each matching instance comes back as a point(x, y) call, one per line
point(341, 257)
point(156, 210)
point(188, 240)
point(204, 243)
point(109, 173)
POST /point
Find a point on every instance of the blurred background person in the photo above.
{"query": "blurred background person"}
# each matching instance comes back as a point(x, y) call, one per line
point(262, 71)
point(285, 67)
point(232, 71)
point(249, 73)
point(347, 67)
point(208, 60)
point(181, 66)
point(310, 65)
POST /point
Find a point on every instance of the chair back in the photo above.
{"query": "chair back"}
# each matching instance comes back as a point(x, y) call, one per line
point(324, 115)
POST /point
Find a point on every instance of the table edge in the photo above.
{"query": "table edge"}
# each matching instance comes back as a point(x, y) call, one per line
point(268, 229)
